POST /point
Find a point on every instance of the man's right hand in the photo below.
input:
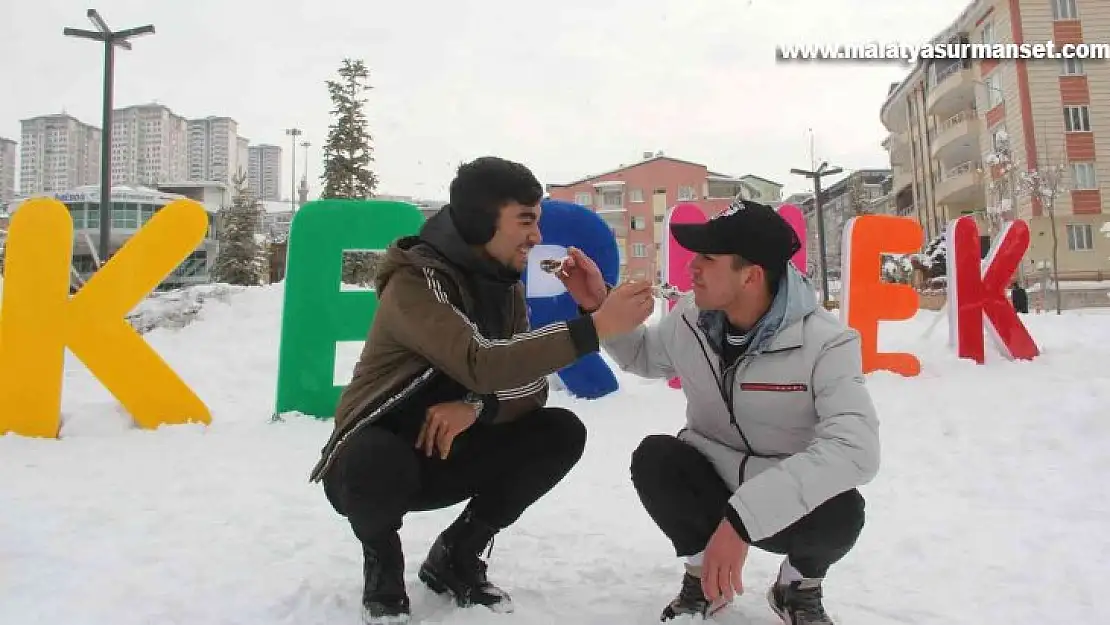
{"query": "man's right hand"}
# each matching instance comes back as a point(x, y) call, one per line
point(624, 309)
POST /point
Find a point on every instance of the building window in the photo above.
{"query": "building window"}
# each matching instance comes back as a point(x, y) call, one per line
point(584, 198)
point(639, 222)
point(686, 194)
point(1077, 118)
point(1083, 176)
point(1064, 10)
point(1071, 67)
point(994, 90)
point(612, 199)
point(636, 196)
point(639, 250)
point(987, 34)
point(1080, 238)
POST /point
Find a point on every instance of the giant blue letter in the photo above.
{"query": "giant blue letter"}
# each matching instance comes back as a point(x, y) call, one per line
point(563, 225)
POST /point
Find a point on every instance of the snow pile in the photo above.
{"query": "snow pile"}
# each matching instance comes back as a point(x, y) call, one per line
point(986, 503)
point(176, 309)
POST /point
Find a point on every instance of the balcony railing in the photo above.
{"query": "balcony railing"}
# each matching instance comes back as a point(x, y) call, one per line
point(939, 77)
point(958, 118)
point(961, 169)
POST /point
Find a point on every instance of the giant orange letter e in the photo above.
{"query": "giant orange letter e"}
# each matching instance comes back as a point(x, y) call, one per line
point(866, 299)
point(38, 319)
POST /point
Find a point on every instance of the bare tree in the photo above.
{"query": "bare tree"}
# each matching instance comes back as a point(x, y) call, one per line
point(1002, 201)
point(1044, 185)
point(859, 201)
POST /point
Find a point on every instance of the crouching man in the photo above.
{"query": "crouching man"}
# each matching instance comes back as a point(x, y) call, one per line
point(448, 400)
point(780, 427)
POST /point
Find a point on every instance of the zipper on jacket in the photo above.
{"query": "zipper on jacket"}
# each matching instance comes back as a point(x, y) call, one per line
point(726, 393)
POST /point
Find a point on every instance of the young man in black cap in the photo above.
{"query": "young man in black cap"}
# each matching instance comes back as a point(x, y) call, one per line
point(447, 401)
point(780, 428)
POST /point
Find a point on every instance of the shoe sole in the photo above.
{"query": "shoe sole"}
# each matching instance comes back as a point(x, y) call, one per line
point(398, 619)
point(437, 586)
point(783, 616)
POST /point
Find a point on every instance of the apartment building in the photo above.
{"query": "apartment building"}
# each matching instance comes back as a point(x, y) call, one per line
point(7, 171)
point(950, 119)
point(634, 199)
point(57, 152)
point(149, 146)
point(761, 190)
point(862, 192)
point(264, 172)
point(213, 150)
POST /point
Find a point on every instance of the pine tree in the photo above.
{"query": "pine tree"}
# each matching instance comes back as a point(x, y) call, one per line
point(348, 154)
point(241, 257)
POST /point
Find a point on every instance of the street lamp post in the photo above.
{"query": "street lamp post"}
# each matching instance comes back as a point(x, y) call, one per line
point(110, 39)
point(305, 145)
point(293, 133)
point(816, 176)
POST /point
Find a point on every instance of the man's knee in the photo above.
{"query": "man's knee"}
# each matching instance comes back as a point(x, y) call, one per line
point(653, 458)
point(839, 521)
point(563, 433)
point(375, 468)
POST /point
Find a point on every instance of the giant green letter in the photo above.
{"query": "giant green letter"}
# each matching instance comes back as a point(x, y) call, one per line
point(316, 314)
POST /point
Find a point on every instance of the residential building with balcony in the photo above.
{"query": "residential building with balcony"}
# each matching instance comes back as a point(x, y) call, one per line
point(634, 200)
point(132, 207)
point(949, 117)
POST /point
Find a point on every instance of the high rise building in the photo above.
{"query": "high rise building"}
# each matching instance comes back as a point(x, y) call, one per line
point(214, 150)
point(149, 146)
point(264, 172)
point(7, 171)
point(56, 153)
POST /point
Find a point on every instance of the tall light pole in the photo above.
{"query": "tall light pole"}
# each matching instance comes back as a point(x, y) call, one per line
point(816, 176)
point(293, 134)
point(306, 145)
point(110, 39)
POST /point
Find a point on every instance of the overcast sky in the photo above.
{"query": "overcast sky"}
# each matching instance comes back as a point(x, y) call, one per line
point(569, 87)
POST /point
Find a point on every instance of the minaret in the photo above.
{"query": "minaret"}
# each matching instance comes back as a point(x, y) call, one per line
point(302, 192)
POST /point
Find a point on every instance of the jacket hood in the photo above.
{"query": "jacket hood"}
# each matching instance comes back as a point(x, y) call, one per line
point(440, 245)
point(795, 300)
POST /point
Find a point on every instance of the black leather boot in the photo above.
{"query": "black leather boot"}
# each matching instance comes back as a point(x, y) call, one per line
point(384, 600)
point(454, 566)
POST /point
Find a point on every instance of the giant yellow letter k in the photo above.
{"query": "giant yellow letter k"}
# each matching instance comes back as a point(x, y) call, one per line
point(39, 319)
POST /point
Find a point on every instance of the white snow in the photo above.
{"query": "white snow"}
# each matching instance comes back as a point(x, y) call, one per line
point(988, 507)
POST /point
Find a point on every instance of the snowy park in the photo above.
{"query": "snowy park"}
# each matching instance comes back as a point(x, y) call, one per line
point(986, 505)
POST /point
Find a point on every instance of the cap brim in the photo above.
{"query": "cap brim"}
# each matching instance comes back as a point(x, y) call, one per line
point(694, 237)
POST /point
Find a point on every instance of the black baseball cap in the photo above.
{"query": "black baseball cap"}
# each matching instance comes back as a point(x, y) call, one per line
point(753, 231)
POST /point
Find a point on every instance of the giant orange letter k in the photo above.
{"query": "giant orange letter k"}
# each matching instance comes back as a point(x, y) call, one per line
point(38, 319)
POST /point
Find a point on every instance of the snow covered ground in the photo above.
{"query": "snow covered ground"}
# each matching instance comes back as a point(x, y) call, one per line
point(988, 507)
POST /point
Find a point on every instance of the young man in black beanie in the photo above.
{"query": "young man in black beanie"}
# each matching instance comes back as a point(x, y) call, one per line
point(448, 400)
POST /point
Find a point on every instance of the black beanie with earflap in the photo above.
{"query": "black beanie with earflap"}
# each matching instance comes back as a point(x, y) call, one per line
point(475, 226)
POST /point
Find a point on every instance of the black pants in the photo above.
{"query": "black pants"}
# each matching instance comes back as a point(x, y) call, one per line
point(686, 498)
point(503, 469)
